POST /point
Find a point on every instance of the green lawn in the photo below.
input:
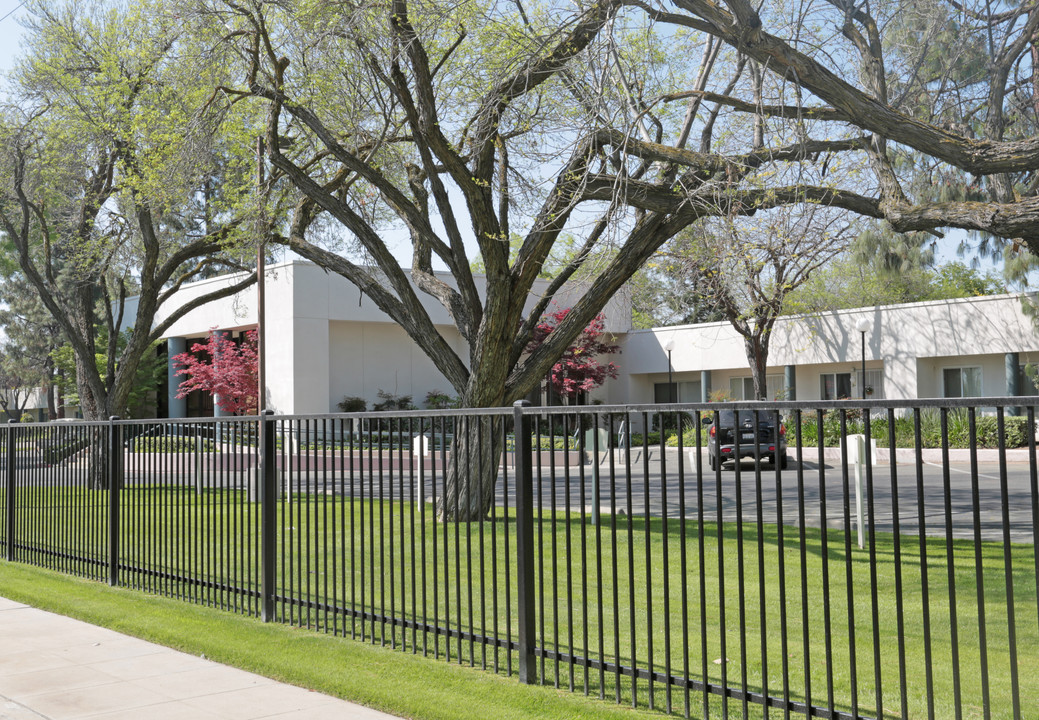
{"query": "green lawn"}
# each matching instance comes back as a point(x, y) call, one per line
point(373, 558)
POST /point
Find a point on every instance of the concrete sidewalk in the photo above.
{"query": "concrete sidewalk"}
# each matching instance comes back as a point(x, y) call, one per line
point(56, 668)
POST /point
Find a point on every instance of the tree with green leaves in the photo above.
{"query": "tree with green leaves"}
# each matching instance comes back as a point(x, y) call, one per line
point(848, 282)
point(117, 181)
point(140, 402)
point(31, 335)
point(748, 267)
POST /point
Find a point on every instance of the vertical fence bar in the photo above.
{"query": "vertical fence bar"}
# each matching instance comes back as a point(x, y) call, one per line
point(540, 570)
point(897, 536)
point(1033, 478)
point(954, 642)
point(741, 560)
point(849, 578)
point(806, 648)
point(925, 597)
point(115, 480)
point(268, 516)
point(878, 686)
point(760, 525)
point(525, 545)
point(1008, 565)
point(779, 461)
point(979, 561)
point(701, 572)
point(11, 489)
point(720, 534)
point(824, 554)
point(568, 550)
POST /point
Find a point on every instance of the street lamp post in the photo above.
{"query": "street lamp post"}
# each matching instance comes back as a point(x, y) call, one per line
point(670, 385)
point(863, 327)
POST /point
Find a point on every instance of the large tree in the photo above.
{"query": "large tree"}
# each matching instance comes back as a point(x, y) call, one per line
point(394, 113)
point(114, 183)
point(748, 266)
point(460, 126)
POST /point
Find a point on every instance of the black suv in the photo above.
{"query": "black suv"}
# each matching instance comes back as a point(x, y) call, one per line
point(765, 443)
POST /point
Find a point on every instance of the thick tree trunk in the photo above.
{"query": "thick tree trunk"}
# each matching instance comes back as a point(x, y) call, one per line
point(98, 459)
point(757, 355)
point(96, 408)
point(472, 469)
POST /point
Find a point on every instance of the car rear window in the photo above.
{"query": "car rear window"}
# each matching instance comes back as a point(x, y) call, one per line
point(725, 417)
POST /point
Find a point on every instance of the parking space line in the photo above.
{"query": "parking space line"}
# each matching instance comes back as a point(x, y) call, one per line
point(965, 472)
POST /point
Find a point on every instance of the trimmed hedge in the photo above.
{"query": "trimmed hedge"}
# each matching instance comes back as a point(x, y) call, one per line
point(169, 444)
point(1015, 431)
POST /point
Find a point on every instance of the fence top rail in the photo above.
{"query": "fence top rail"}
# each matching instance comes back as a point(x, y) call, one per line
point(1020, 401)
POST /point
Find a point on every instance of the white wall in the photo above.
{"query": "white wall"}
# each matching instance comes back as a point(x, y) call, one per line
point(912, 342)
point(368, 357)
point(325, 340)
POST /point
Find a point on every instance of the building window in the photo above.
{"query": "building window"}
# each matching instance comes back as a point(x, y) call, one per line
point(686, 392)
point(1026, 381)
point(961, 382)
point(835, 386)
point(665, 392)
point(742, 388)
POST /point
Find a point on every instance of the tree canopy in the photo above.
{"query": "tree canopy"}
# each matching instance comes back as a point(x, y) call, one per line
point(114, 183)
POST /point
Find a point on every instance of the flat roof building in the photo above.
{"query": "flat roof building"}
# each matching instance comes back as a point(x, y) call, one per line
point(325, 340)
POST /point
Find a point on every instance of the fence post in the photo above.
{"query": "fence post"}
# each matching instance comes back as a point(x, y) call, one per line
point(115, 483)
point(268, 515)
point(11, 489)
point(525, 543)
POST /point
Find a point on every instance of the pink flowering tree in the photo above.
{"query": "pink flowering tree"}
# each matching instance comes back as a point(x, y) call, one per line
point(580, 368)
point(230, 372)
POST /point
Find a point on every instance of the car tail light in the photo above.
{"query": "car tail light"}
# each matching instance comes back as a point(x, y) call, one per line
point(714, 431)
point(782, 430)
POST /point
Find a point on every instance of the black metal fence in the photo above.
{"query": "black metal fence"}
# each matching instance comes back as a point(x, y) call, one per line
point(610, 558)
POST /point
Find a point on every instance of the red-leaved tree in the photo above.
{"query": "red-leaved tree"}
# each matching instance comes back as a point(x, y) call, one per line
point(579, 369)
point(230, 373)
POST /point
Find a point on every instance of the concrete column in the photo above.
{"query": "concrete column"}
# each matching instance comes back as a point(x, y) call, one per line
point(1013, 375)
point(177, 407)
point(217, 412)
point(705, 385)
point(790, 382)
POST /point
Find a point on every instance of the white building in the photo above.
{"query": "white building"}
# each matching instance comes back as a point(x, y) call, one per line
point(326, 341)
point(945, 348)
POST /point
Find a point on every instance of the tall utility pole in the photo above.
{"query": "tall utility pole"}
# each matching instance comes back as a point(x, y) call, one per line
point(261, 271)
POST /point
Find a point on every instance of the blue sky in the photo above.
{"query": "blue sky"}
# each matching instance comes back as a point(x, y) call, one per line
point(10, 31)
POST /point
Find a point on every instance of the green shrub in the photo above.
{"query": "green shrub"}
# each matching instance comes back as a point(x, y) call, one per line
point(352, 403)
point(436, 400)
point(168, 444)
point(1015, 430)
point(389, 402)
point(689, 438)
